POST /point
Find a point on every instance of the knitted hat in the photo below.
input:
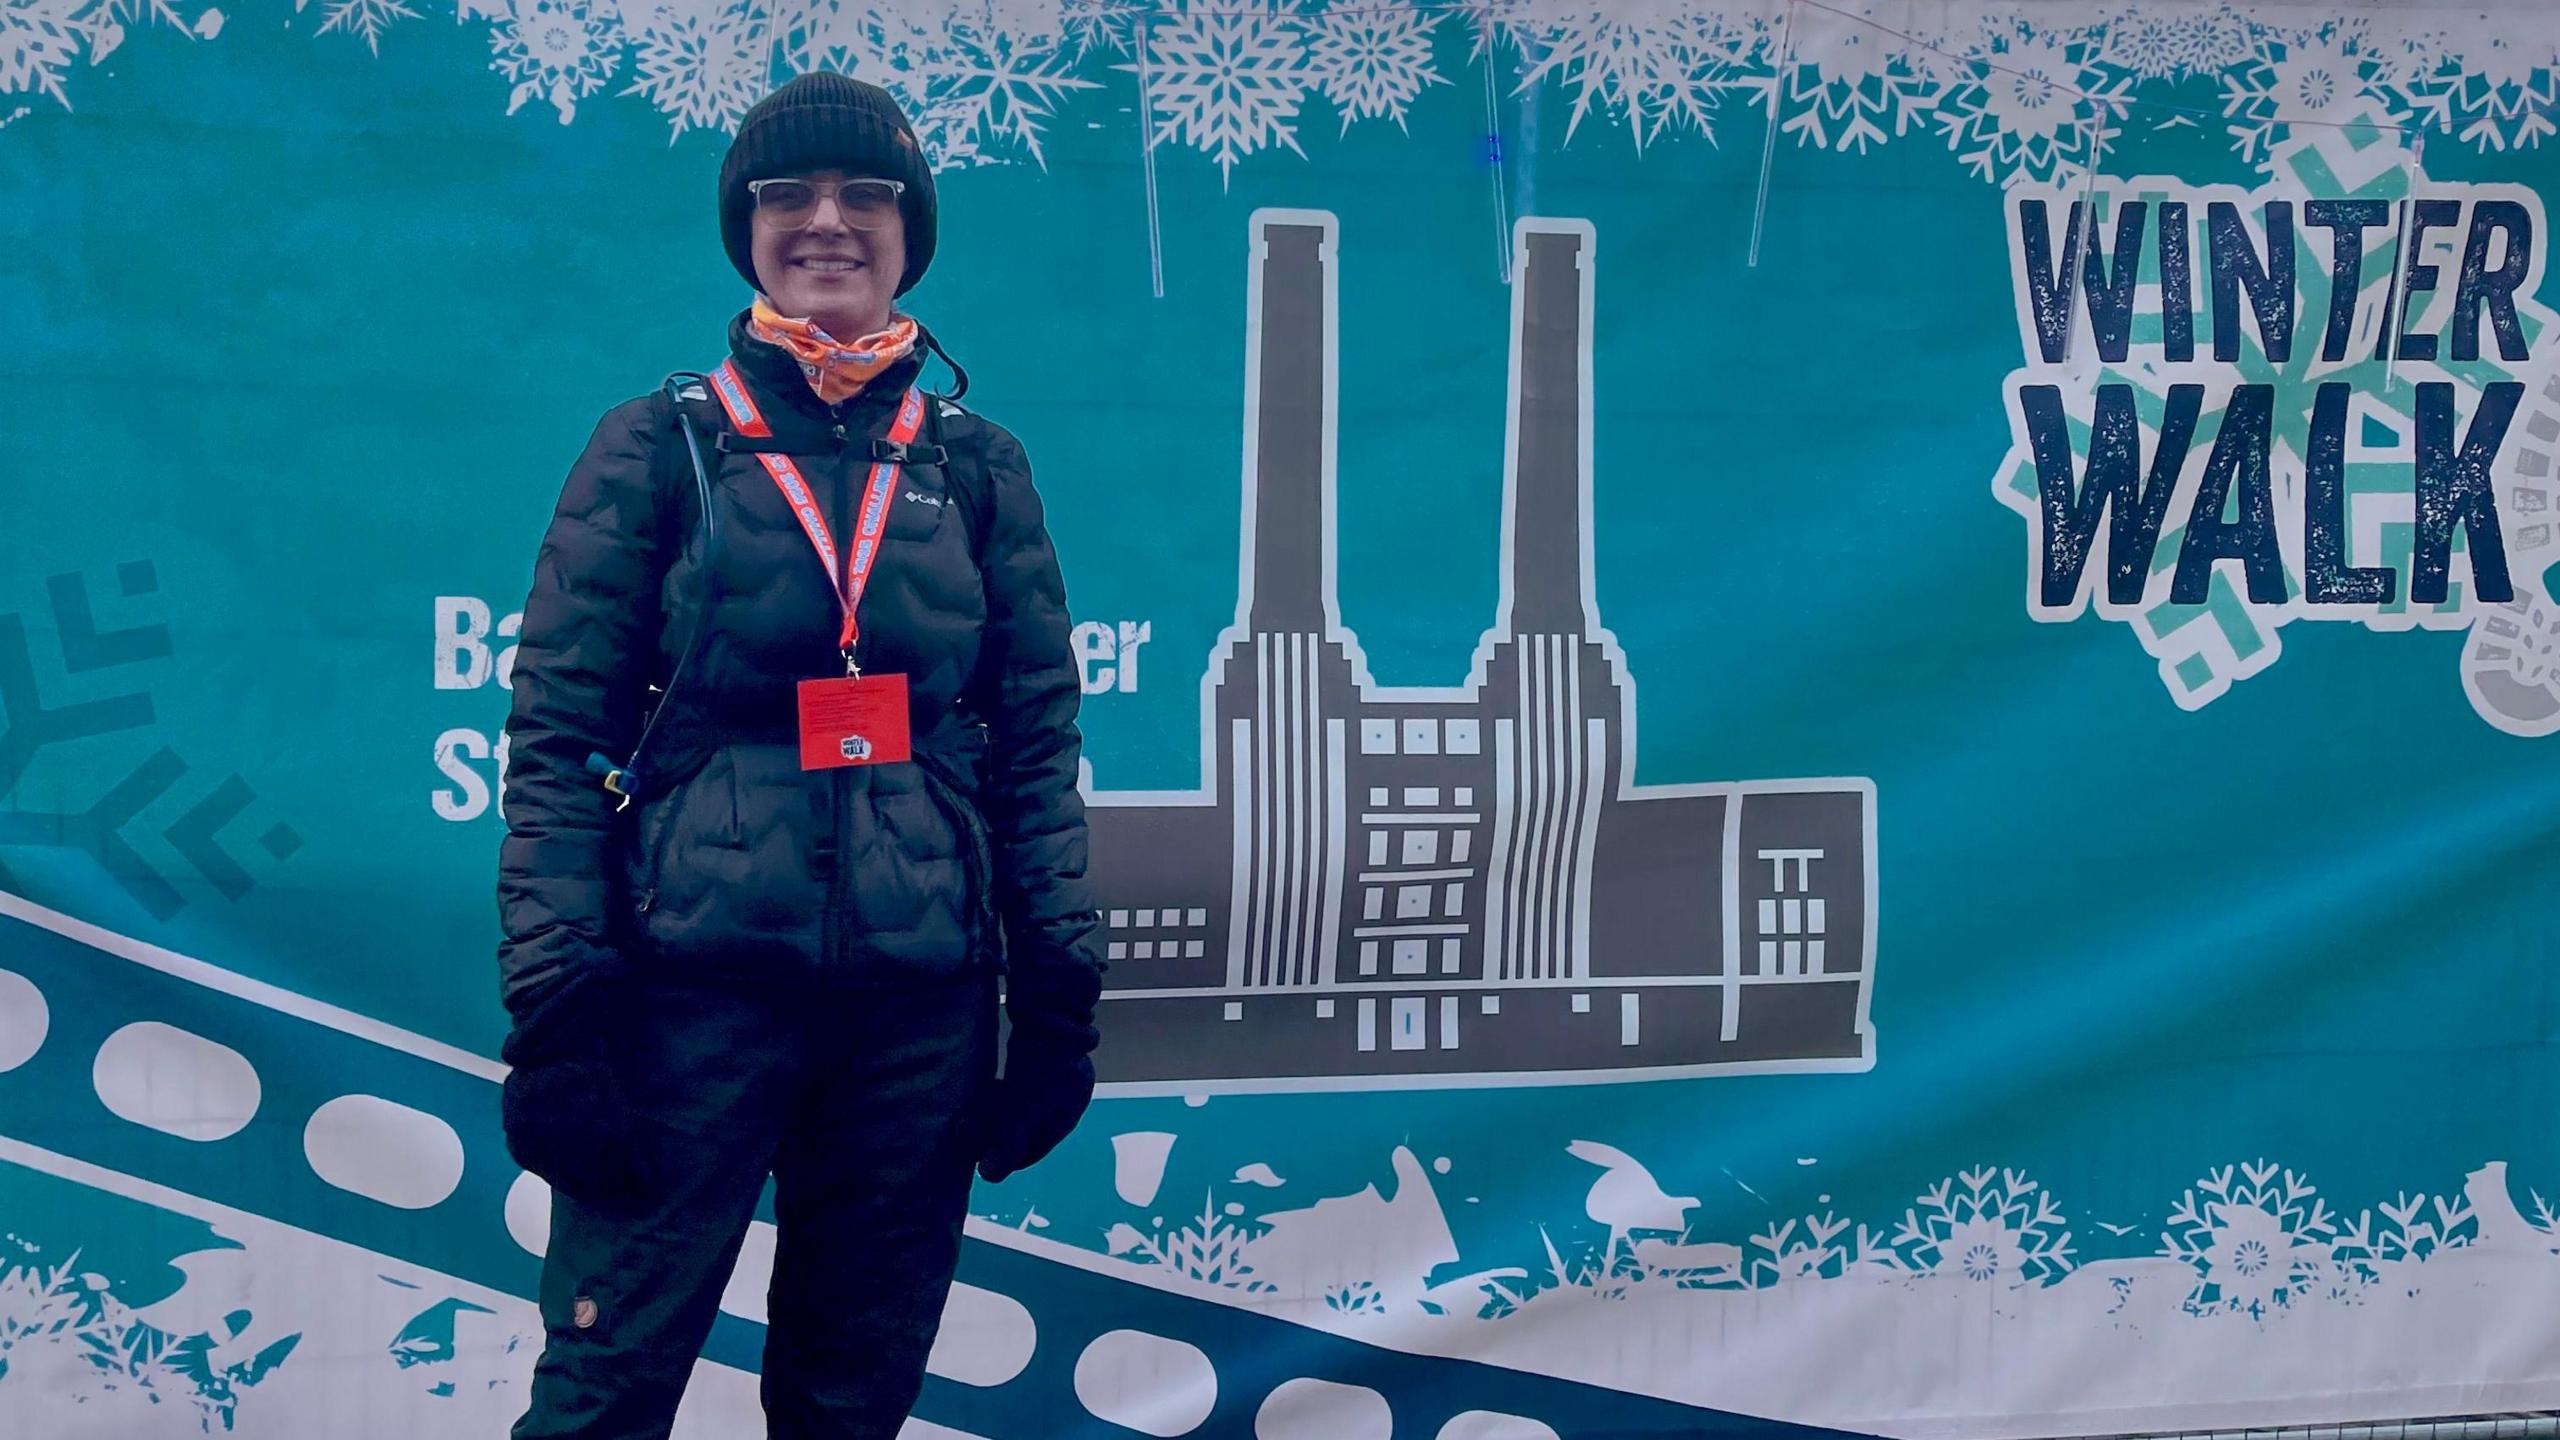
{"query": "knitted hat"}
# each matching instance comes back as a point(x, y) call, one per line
point(825, 121)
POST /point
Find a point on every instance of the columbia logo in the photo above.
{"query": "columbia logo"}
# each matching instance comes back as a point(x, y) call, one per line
point(921, 498)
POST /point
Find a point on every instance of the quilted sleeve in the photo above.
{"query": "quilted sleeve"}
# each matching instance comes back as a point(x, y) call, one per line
point(1028, 695)
point(583, 661)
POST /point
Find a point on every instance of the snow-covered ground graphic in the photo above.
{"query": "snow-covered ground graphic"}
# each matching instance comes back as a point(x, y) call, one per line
point(1973, 1313)
point(1987, 1303)
point(279, 1333)
point(287, 1335)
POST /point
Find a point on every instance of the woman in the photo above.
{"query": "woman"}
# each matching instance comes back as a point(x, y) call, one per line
point(765, 943)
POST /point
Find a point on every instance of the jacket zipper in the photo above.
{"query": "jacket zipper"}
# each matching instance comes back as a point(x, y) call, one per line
point(652, 866)
point(834, 944)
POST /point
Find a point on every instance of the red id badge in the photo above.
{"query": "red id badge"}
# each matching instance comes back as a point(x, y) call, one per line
point(853, 720)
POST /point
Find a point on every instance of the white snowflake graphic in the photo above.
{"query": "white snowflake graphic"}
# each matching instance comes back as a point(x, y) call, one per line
point(2373, 1254)
point(554, 50)
point(886, 46)
point(2035, 104)
point(1038, 23)
point(1982, 1250)
point(122, 13)
point(1089, 27)
point(2485, 79)
point(1211, 1249)
point(981, 81)
point(2323, 77)
point(38, 41)
point(1657, 66)
point(1816, 1253)
point(2159, 44)
point(100, 26)
point(1370, 60)
point(983, 90)
point(1844, 83)
point(644, 19)
point(1986, 1226)
point(1226, 80)
point(2258, 1236)
point(986, 81)
point(702, 69)
point(364, 19)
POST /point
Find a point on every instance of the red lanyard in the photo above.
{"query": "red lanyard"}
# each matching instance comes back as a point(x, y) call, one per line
point(856, 572)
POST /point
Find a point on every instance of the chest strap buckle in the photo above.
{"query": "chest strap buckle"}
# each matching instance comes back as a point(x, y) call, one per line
point(894, 453)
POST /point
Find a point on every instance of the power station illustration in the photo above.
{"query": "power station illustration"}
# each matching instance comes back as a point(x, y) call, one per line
point(1401, 886)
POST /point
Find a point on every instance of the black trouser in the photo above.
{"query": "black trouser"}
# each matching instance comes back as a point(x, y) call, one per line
point(863, 1107)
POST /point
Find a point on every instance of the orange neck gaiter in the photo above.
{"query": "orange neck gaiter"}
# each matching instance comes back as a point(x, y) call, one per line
point(837, 370)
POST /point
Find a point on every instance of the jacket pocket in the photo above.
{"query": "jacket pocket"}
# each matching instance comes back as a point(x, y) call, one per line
point(701, 812)
point(977, 858)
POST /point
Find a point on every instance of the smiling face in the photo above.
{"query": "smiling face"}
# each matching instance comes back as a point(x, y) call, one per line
point(829, 271)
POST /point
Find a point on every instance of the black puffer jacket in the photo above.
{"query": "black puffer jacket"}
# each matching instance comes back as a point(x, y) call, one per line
point(734, 862)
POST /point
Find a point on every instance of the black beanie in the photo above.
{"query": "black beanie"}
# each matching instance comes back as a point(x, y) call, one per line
point(825, 121)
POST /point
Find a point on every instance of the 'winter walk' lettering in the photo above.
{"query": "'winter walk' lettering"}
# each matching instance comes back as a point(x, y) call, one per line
point(2252, 264)
point(2231, 512)
point(2258, 362)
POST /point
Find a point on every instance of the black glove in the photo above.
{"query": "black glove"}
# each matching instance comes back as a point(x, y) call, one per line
point(1047, 1083)
point(563, 1107)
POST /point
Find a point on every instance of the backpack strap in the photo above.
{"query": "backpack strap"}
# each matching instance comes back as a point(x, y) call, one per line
point(670, 468)
point(666, 459)
point(967, 482)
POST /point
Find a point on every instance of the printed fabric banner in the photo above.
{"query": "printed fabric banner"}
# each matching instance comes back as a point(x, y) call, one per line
point(1800, 716)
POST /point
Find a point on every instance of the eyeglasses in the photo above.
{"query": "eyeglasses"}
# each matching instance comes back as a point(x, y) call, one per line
point(792, 204)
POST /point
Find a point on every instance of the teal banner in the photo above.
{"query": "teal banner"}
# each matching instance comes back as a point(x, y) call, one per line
point(1800, 717)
